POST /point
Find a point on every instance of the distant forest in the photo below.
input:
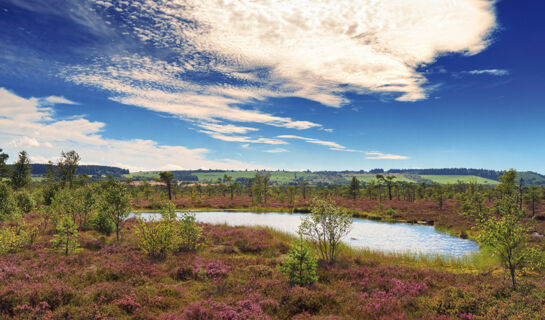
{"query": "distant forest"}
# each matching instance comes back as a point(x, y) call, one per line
point(97, 172)
point(39, 169)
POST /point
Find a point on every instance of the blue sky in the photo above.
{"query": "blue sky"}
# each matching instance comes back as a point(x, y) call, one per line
point(319, 85)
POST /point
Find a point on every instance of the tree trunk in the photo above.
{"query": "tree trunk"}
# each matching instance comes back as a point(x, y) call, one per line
point(513, 279)
point(117, 231)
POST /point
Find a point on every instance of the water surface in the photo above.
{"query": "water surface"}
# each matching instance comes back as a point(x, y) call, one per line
point(380, 236)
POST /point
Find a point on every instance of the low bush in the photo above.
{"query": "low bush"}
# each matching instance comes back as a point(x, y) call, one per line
point(300, 266)
point(25, 202)
point(156, 238)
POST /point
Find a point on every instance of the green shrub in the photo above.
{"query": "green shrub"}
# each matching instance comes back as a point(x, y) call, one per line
point(24, 200)
point(390, 212)
point(13, 239)
point(48, 193)
point(8, 206)
point(103, 223)
point(189, 233)
point(300, 267)
point(66, 239)
point(156, 238)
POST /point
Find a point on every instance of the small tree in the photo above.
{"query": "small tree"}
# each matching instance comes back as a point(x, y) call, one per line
point(25, 203)
point(4, 168)
point(20, 174)
point(103, 223)
point(533, 199)
point(505, 234)
point(155, 238)
point(66, 239)
point(68, 164)
point(167, 177)
point(354, 188)
point(325, 227)
point(300, 267)
point(117, 203)
point(8, 205)
point(189, 233)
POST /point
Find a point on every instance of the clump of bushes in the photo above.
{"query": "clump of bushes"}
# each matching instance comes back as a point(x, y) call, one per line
point(156, 238)
point(103, 223)
point(159, 238)
point(189, 233)
point(24, 201)
point(13, 239)
point(8, 205)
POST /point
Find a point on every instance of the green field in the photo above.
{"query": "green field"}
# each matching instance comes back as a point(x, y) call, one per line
point(368, 177)
point(451, 179)
point(280, 177)
point(287, 177)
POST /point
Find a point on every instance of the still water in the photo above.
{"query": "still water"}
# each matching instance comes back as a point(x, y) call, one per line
point(379, 236)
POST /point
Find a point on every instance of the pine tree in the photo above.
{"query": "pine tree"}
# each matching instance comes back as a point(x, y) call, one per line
point(66, 239)
point(300, 267)
point(20, 175)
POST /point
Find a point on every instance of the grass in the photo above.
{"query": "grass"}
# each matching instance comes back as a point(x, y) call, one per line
point(236, 274)
point(452, 179)
point(367, 177)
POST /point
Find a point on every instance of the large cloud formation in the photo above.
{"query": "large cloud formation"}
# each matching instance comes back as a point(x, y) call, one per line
point(317, 50)
point(29, 124)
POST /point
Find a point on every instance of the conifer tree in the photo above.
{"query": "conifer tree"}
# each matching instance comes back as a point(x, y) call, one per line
point(66, 239)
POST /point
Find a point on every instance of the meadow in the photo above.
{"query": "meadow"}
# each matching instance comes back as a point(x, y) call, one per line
point(69, 249)
point(236, 276)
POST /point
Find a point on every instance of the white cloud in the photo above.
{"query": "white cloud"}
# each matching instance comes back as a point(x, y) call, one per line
point(277, 150)
point(227, 129)
point(332, 145)
point(317, 49)
point(493, 72)
point(157, 85)
point(26, 123)
point(245, 139)
point(376, 155)
point(56, 100)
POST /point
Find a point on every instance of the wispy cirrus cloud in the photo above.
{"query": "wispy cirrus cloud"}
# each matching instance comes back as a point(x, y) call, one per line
point(492, 72)
point(30, 124)
point(376, 155)
point(276, 150)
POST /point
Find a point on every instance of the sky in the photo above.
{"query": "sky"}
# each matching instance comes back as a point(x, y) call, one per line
point(275, 84)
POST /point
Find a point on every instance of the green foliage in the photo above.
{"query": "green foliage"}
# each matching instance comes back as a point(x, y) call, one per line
point(300, 267)
point(354, 188)
point(24, 200)
point(117, 203)
point(103, 223)
point(66, 238)
point(168, 211)
point(473, 202)
point(14, 238)
point(189, 233)
point(156, 238)
point(8, 205)
point(20, 174)
point(508, 182)
point(67, 165)
point(325, 227)
point(506, 235)
point(66, 202)
point(4, 168)
point(48, 193)
point(167, 177)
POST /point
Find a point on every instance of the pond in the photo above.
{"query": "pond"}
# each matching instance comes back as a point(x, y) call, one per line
point(374, 235)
